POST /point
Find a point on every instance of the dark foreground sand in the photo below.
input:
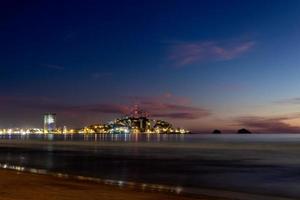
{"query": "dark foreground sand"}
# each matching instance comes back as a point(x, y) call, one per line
point(15, 185)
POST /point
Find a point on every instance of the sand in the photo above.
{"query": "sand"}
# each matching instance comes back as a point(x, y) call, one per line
point(22, 185)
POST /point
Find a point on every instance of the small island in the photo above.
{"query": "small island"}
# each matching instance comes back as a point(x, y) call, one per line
point(243, 131)
point(216, 131)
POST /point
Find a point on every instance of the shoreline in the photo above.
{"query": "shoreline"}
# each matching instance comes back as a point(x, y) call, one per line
point(16, 185)
point(114, 189)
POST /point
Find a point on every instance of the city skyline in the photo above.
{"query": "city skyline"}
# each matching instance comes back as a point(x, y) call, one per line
point(202, 65)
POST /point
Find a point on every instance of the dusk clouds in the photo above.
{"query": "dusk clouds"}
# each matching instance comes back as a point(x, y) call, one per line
point(187, 53)
point(269, 124)
point(170, 106)
point(166, 106)
point(295, 100)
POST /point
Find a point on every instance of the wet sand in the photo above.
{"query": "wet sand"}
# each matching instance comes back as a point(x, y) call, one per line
point(21, 185)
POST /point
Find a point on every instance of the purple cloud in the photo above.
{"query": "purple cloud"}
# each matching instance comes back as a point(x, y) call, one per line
point(295, 100)
point(182, 115)
point(269, 124)
point(187, 53)
point(170, 106)
point(166, 106)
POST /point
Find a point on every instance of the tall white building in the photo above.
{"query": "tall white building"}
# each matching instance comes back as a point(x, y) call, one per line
point(49, 122)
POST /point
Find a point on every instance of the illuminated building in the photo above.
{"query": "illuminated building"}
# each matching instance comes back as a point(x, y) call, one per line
point(64, 130)
point(137, 122)
point(21, 131)
point(49, 123)
point(134, 124)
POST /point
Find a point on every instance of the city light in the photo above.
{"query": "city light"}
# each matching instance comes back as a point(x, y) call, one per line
point(136, 123)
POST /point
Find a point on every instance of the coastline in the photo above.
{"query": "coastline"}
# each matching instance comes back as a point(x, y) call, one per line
point(16, 185)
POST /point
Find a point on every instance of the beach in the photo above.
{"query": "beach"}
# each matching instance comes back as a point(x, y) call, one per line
point(20, 185)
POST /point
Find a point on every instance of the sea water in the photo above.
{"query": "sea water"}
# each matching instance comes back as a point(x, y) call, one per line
point(267, 164)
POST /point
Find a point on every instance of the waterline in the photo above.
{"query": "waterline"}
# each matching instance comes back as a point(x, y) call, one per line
point(146, 186)
point(119, 183)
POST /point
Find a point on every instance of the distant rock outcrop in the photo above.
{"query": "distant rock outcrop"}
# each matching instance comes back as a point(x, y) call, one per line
point(216, 131)
point(243, 131)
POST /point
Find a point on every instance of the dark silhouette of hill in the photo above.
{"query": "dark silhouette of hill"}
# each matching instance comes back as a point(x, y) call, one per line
point(216, 131)
point(243, 131)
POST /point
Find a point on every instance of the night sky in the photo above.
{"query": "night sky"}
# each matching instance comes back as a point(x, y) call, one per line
point(200, 65)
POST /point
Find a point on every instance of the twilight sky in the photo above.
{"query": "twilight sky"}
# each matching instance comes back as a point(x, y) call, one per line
point(198, 64)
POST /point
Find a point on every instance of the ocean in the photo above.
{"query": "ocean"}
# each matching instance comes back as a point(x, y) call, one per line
point(266, 165)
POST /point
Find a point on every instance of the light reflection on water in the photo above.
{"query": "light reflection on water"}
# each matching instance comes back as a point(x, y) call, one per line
point(190, 138)
point(97, 137)
point(119, 183)
point(262, 164)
